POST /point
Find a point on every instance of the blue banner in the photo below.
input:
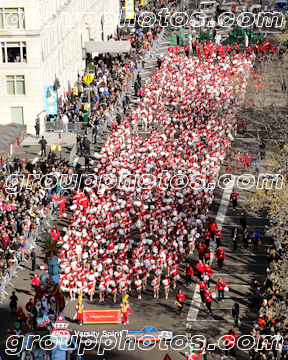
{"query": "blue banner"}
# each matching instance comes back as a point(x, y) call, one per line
point(50, 101)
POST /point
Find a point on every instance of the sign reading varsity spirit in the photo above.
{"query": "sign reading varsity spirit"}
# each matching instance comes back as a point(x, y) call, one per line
point(102, 316)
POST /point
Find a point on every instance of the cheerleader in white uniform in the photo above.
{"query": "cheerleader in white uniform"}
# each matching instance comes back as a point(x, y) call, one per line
point(113, 287)
point(101, 288)
point(138, 284)
point(91, 284)
point(155, 285)
point(144, 278)
point(166, 283)
point(79, 286)
point(123, 286)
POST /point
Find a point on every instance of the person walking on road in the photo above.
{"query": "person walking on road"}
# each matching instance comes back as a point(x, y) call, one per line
point(208, 300)
point(43, 144)
point(33, 258)
point(189, 272)
point(235, 312)
point(255, 238)
point(233, 197)
point(220, 285)
point(246, 239)
point(180, 297)
point(220, 256)
point(37, 128)
point(218, 237)
point(13, 302)
point(235, 238)
point(243, 221)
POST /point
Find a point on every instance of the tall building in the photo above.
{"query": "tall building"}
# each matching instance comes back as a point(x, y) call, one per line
point(43, 38)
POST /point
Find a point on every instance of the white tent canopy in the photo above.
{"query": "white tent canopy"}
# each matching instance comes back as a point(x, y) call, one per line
point(107, 46)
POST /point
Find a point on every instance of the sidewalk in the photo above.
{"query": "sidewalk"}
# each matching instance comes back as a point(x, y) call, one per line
point(68, 138)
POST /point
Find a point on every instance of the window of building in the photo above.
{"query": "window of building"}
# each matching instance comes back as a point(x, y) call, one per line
point(17, 115)
point(12, 19)
point(13, 52)
point(15, 85)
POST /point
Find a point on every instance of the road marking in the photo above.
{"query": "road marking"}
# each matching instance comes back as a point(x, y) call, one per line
point(196, 300)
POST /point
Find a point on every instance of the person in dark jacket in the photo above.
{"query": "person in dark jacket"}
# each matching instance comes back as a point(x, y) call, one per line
point(118, 118)
point(235, 312)
point(37, 128)
point(243, 221)
point(136, 87)
point(43, 144)
point(33, 258)
point(86, 143)
point(13, 302)
point(235, 238)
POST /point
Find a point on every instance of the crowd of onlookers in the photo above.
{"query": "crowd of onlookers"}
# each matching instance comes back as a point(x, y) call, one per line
point(271, 301)
point(111, 74)
point(24, 211)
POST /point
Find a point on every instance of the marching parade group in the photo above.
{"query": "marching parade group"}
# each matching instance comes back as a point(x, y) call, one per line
point(121, 238)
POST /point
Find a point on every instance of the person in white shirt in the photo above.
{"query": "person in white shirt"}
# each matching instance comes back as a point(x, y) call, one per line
point(65, 123)
point(218, 39)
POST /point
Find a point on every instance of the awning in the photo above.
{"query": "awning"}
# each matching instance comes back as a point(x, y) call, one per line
point(11, 137)
point(107, 46)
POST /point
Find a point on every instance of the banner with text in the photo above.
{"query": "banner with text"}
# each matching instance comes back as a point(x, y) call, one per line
point(102, 316)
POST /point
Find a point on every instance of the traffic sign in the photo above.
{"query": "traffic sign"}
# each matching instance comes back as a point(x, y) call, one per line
point(88, 79)
point(59, 141)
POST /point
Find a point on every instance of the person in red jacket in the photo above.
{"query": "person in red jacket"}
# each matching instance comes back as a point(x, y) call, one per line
point(207, 237)
point(231, 340)
point(189, 272)
point(202, 289)
point(208, 300)
point(61, 202)
point(208, 272)
point(218, 237)
point(201, 248)
point(207, 256)
point(200, 267)
point(212, 226)
point(220, 285)
point(187, 49)
point(35, 280)
point(220, 256)
point(177, 50)
point(180, 297)
point(55, 233)
point(233, 197)
point(20, 316)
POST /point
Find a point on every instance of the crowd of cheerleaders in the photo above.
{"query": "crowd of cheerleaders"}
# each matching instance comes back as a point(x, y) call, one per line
point(199, 99)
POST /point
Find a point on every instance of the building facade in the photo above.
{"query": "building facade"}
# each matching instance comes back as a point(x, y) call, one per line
point(41, 39)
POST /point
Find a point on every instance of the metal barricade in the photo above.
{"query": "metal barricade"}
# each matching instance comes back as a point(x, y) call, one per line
point(59, 126)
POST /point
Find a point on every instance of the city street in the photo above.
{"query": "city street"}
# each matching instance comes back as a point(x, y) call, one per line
point(240, 269)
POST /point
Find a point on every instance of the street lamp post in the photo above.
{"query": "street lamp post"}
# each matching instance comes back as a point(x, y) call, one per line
point(56, 87)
